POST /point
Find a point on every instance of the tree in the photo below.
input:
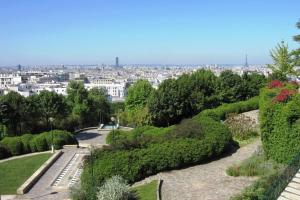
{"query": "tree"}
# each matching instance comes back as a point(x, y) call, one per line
point(51, 105)
point(252, 83)
point(98, 106)
point(283, 64)
point(296, 53)
point(12, 112)
point(78, 100)
point(164, 104)
point(138, 95)
point(184, 97)
point(231, 88)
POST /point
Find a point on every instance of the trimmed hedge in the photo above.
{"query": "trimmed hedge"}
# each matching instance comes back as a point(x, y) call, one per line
point(33, 143)
point(163, 152)
point(280, 123)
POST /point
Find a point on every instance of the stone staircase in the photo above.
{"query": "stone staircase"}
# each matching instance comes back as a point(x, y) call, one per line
point(292, 190)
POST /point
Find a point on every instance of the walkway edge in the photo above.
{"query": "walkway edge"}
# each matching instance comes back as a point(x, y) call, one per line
point(158, 189)
point(27, 185)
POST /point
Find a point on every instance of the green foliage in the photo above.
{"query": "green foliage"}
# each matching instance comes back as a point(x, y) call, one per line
point(40, 142)
point(257, 190)
point(32, 143)
point(4, 153)
point(114, 188)
point(230, 86)
point(183, 97)
point(13, 144)
point(280, 133)
point(138, 94)
point(148, 150)
point(146, 191)
point(25, 139)
point(283, 64)
point(12, 105)
point(256, 165)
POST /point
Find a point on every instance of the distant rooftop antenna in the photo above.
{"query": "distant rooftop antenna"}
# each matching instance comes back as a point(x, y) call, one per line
point(246, 61)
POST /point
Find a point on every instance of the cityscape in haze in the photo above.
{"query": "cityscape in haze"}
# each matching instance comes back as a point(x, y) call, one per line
point(149, 100)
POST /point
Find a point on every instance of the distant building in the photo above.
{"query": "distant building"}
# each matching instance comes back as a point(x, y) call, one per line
point(9, 79)
point(117, 62)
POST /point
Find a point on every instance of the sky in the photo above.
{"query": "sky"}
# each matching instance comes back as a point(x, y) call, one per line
point(38, 32)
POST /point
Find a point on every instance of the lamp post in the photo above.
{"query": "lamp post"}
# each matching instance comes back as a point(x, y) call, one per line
point(51, 119)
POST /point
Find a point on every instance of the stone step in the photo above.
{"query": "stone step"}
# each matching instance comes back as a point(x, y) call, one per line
point(294, 185)
point(290, 196)
point(297, 175)
point(293, 190)
point(282, 198)
point(297, 180)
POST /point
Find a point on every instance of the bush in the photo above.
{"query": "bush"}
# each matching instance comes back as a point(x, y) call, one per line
point(32, 143)
point(114, 188)
point(4, 153)
point(256, 165)
point(26, 142)
point(60, 138)
point(136, 164)
point(13, 144)
point(158, 149)
point(280, 133)
point(41, 142)
point(242, 127)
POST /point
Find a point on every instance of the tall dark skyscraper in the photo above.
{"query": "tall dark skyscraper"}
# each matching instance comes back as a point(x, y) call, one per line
point(117, 62)
point(19, 67)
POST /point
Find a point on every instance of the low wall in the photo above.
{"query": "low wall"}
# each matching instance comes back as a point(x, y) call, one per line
point(38, 174)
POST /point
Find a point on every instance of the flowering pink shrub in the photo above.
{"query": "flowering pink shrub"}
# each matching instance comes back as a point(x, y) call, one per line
point(284, 95)
point(275, 84)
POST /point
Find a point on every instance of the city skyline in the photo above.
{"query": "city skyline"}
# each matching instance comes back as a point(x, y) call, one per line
point(193, 32)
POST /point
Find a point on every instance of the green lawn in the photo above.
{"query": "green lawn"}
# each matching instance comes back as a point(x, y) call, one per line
point(147, 191)
point(14, 173)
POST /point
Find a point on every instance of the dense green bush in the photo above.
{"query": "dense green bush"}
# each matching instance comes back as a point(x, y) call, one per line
point(279, 116)
point(222, 111)
point(32, 143)
point(4, 153)
point(26, 142)
point(166, 148)
point(41, 142)
point(13, 144)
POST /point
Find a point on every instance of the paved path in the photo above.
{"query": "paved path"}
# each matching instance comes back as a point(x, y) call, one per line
point(292, 190)
point(206, 181)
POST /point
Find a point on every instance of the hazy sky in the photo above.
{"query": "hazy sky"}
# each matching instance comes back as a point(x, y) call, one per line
point(140, 31)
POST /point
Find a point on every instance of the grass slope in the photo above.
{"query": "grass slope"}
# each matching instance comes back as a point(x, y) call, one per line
point(14, 173)
point(147, 191)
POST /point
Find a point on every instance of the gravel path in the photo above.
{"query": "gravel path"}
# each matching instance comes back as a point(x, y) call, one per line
point(207, 181)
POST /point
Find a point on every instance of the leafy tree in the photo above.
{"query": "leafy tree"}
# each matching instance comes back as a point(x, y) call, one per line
point(296, 53)
point(252, 83)
point(12, 112)
point(231, 87)
point(164, 104)
point(51, 105)
point(283, 64)
point(138, 95)
point(184, 97)
point(98, 106)
point(78, 100)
